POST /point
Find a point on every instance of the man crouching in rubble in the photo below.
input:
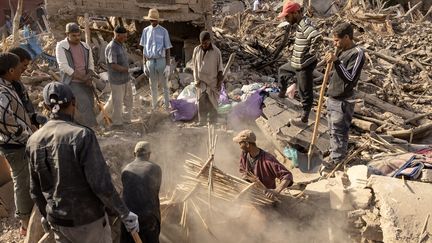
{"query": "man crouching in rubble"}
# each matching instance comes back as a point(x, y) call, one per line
point(255, 162)
point(70, 181)
point(141, 184)
point(347, 64)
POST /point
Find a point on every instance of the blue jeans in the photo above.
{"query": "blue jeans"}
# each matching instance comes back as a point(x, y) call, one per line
point(339, 117)
point(156, 68)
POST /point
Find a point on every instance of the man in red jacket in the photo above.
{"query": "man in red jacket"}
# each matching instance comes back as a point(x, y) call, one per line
point(257, 162)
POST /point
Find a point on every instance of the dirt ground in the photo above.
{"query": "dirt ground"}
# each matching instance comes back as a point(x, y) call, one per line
point(170, 144)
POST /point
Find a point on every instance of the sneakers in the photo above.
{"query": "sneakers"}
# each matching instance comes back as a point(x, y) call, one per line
point(300, 121)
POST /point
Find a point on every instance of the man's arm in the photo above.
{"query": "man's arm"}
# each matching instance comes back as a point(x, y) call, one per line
point(220, 68)
point(195, 66)
point(91, 60)
point(8, 123)
point(315, 38)
point(98, 175)
point(167, 47)
point(111, 59)
point(282, 173)
point(353, 69)
point(35, 185)
point(62, 60)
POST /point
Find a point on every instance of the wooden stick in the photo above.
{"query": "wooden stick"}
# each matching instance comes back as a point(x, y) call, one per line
point(229, 63)
point(136, 237)
point(318, 113)
point(87, 29)
point(16, 24)
point(423, 228)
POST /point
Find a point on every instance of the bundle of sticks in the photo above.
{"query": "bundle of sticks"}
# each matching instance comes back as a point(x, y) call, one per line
point(224, 186)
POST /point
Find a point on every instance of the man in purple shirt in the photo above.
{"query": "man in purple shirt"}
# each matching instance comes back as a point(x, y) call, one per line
point(261, 164)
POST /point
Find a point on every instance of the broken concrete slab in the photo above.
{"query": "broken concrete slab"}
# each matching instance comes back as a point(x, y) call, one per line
point(278, 112)
point(404, 206)
point(426, 176)
point(358, 175)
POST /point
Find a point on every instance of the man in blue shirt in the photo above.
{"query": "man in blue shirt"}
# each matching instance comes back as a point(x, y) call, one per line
point(156, 52)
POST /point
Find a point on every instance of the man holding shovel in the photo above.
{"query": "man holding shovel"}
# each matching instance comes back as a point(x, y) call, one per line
point(347, 64)
point(303, 60)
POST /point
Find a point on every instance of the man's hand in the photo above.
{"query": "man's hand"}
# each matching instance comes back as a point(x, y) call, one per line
point(132, 70)
point(146, 70)
point(271, 193)
point(197, 83)
point(220, 77)
point(167, 71)
point(131, 222)
point(330, 57)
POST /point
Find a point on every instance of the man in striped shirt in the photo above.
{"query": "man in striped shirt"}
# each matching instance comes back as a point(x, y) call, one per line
point(303, 59)
point(348, 64)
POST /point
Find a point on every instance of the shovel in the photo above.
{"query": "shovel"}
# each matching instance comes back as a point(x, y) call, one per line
point(318, 113)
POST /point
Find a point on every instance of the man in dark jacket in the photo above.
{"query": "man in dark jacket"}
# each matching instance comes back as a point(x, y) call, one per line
point(303, 59)
point(141, 184)
point(70, 181)
point(347, 64)
point(255, 162)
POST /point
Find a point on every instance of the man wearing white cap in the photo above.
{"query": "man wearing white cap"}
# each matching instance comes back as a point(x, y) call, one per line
point(156, 53)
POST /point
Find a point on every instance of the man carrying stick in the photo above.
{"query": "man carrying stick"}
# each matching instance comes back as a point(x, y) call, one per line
point(347, 64)
point(255, 162)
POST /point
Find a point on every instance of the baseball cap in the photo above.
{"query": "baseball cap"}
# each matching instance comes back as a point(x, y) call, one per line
point(72, 28)
point(56, 93)
point(245, 136)
point(289, 7)
point(120, 29)
point(142, 147)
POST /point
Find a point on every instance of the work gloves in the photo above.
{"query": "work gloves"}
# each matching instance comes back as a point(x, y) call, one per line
point(131, 222)
point(167, 71)
point(146, 70)
point(132, 70)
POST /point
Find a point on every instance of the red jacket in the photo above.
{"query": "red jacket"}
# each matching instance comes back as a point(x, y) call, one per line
point(267, 168)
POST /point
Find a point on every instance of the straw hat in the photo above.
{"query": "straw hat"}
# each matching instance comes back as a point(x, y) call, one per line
point(153, 14)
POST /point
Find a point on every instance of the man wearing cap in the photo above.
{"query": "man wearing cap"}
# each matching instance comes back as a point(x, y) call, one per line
point(118, 76)
point(141, 184)
point(70, 180)
point(156, 45)
point(303, 59)
point(208, 77)
point(15, 129)
point(75, 60)
point(255, 162)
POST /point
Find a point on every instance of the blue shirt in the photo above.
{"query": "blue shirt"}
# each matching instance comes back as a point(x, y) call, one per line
point(155, 40)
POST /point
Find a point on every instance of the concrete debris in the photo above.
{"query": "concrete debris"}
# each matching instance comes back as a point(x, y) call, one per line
point(404, 206)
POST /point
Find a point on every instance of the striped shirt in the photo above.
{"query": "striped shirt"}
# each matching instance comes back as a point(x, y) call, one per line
point(348, 67)
point(15, 124)
point(306, 43)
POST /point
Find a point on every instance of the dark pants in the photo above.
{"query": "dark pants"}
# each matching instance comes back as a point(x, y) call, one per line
point(339, 115)
point(304, 82)
point(206, 108)
point(149, 231)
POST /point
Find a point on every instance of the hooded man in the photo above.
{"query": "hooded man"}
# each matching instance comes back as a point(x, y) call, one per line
point(208, 77)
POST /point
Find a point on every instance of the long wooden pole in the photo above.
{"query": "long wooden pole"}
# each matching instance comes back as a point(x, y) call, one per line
point(16, 23)
point(318, 113)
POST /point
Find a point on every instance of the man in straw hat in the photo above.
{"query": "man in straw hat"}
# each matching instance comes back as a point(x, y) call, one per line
point(303, 59)
point(70, 180)
point(156, 52)
point(141, 184)
point(255, 162)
